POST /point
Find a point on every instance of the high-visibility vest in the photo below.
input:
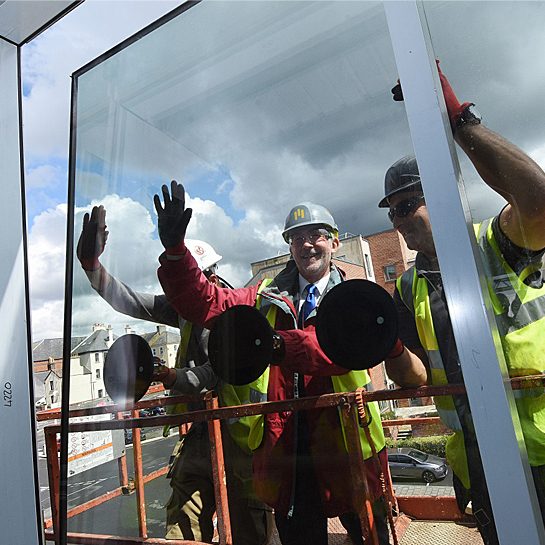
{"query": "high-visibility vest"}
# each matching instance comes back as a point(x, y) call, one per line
point(247, 431)
point(414, 293)
point(180, 362)
point(348, 382)
point(520, 318)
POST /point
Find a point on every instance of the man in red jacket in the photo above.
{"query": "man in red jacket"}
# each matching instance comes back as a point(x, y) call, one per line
point(301, 464)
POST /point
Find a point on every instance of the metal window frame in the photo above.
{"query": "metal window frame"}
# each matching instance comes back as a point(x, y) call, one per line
point(20, 504)
point(470, 307)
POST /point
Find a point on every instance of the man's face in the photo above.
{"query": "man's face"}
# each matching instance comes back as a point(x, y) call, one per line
point(312, 249)
point(415, 226)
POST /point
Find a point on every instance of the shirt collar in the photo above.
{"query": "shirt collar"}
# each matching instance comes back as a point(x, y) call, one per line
point(321, 285)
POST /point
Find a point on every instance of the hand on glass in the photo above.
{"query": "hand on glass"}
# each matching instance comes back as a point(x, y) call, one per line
point(92, 240)
point(172, 217)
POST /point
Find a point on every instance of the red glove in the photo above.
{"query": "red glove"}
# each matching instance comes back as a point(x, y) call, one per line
point(454, 108)
point(396, 350)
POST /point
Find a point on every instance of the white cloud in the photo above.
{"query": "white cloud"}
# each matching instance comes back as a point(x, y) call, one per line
point(287, 126)
point(46, 254)
point(45, 175)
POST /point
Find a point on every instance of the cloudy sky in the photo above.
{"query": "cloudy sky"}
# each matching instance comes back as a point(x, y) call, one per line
point(255, 106)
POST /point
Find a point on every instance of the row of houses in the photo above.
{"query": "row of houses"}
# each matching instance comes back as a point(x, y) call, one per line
point(87, 356)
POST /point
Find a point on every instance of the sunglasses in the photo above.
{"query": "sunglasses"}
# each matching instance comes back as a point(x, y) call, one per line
point(404, 208)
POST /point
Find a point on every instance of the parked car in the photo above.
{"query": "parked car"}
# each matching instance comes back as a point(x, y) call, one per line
point(128, 435)
point(152, 411)
point(411, 463)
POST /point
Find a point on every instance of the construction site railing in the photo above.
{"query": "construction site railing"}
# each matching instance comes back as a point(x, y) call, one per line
point(421, 507)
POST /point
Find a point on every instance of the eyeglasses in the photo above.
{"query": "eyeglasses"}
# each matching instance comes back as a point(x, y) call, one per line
point(314, 236)
point(404, 208)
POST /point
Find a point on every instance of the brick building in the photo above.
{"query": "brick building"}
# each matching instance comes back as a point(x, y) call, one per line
point(391, 257)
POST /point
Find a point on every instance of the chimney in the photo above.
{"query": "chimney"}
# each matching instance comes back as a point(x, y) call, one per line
point(110, 339)
point(161, 329)
point(128, 329)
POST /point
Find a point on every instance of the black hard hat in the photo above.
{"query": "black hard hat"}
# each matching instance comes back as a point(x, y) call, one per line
point(403, 175)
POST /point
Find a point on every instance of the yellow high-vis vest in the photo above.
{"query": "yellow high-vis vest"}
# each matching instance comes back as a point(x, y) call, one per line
point(520, 318)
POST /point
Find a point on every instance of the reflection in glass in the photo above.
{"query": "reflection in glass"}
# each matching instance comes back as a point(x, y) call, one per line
point(254, 107)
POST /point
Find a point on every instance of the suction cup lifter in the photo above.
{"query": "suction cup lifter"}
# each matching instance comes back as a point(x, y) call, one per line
point(240, 346)
point(128, 369)
point(356, 326)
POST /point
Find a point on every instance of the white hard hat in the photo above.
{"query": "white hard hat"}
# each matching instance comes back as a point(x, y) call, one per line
point(203, 253)
point(307, 214)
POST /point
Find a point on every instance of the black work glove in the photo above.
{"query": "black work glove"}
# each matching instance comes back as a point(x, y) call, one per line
point(173, 217)
point(93, 238)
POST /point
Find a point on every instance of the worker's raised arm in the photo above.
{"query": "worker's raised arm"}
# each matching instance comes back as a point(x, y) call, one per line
point(505, 168)
point(515, 176)
point(119, 296)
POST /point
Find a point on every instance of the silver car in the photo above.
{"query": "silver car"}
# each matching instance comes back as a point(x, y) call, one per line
point(411, 463)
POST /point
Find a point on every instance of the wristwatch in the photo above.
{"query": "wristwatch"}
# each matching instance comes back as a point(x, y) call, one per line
point(469, 116)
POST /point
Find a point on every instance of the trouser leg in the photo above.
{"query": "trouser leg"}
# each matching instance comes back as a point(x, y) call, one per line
point(307, 523)
point(302, 528)
point(480, 503)
point(191, 506)
point(251, 519)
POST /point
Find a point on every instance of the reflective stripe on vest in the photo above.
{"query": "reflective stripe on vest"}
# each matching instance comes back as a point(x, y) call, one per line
point(519, 310)
point(247, 431)
point(520, 317)
point(414, 293)
point(348, 382)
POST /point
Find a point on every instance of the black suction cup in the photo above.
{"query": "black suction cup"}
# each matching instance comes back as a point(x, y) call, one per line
point(128, 369)
point(356, 324)
point(240, 345)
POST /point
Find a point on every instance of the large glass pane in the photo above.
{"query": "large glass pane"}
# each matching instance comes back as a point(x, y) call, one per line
point(256, 107)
